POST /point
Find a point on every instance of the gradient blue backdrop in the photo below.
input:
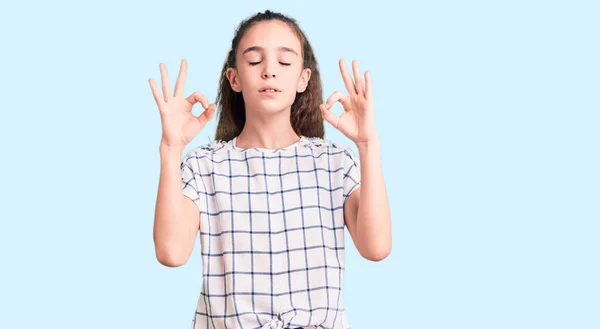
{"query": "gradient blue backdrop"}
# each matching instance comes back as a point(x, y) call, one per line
point(488, 113)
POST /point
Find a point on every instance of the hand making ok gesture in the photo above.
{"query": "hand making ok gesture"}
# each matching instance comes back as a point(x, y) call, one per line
point(179, 124)
point(357, 122)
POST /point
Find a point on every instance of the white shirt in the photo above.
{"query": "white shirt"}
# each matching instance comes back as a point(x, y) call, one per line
point(272, 233)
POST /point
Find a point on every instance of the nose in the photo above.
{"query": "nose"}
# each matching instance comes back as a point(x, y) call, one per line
point(268, 74)
point(268, 71)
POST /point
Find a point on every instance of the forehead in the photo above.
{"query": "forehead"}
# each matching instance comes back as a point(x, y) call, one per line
point(270, 35)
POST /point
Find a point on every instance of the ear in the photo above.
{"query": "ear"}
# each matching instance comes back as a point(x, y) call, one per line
point(303, 80)
point(234, 80)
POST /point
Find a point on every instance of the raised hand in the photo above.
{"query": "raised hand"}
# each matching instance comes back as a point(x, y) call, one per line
point(179, 125)
point(357, 122)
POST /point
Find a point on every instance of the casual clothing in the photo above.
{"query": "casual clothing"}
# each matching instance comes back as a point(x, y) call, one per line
point(271, 233)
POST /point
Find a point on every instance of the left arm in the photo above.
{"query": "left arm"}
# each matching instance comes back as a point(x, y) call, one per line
point(367, 210)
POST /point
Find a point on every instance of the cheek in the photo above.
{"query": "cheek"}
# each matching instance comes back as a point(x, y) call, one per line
point(245, 75)
point(247, 83)
point(295, 81)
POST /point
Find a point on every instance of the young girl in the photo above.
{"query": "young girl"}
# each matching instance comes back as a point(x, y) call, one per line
point(270, 197)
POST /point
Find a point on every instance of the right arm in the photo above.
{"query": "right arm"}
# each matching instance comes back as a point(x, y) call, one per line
point(177, 218)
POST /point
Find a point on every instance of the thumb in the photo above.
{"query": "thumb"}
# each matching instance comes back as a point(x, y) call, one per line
point(206, 115)
point(329, 116)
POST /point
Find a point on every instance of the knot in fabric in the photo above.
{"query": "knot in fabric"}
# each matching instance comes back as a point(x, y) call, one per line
point(273, 324)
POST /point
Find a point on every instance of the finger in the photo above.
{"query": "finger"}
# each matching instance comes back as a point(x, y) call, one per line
point(337, 96)
point(206, 115)
point(156, 93)
point(329, 116)
point(358, 82)
point(164, 77)
point(347, 79)
point(180, 84)
point(197, 97)
point(368, 86)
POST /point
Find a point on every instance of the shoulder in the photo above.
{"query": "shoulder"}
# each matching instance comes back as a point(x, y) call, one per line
point(202, 152)
point(317, 142)
point(331, 146)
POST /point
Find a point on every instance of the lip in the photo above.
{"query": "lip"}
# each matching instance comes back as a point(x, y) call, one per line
point(262, 90)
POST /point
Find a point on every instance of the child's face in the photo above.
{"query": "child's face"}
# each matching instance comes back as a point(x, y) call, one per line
point(269, 55)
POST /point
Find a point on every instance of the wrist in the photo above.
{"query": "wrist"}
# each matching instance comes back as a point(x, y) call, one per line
point(169, 149)
point(369, 144)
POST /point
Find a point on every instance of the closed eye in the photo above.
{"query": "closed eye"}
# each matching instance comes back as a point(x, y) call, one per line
point(284, 64)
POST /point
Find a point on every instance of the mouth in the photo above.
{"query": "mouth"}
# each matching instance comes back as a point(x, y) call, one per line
point(269, 90)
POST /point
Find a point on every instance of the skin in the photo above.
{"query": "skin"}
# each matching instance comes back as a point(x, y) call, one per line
point(271, 46)
point(268, 54)
point(367, 210)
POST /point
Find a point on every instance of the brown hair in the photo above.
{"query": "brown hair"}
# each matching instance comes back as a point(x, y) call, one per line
point(305, 115)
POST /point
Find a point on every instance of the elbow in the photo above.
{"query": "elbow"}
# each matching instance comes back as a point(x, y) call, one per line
point(169, 259)
point(171, 253)
point(377, 254)
point(375, 248)
point(170, 263)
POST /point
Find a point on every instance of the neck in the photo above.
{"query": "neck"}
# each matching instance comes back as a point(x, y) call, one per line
point(269, 130)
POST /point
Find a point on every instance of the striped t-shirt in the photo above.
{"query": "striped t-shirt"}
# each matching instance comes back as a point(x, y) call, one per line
point(272, 233)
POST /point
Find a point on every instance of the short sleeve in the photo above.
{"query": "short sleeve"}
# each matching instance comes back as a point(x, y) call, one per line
point(351, 173)
point(191, 180)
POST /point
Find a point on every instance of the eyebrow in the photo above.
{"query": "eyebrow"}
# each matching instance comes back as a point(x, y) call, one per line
point(258, 48)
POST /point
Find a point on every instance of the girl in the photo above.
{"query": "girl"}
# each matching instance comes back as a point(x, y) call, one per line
point(270, 197)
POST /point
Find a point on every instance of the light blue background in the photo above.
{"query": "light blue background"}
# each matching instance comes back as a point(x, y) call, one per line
point(488, 114)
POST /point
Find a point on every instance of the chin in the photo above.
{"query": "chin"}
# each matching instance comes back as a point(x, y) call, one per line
point(271, 106)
